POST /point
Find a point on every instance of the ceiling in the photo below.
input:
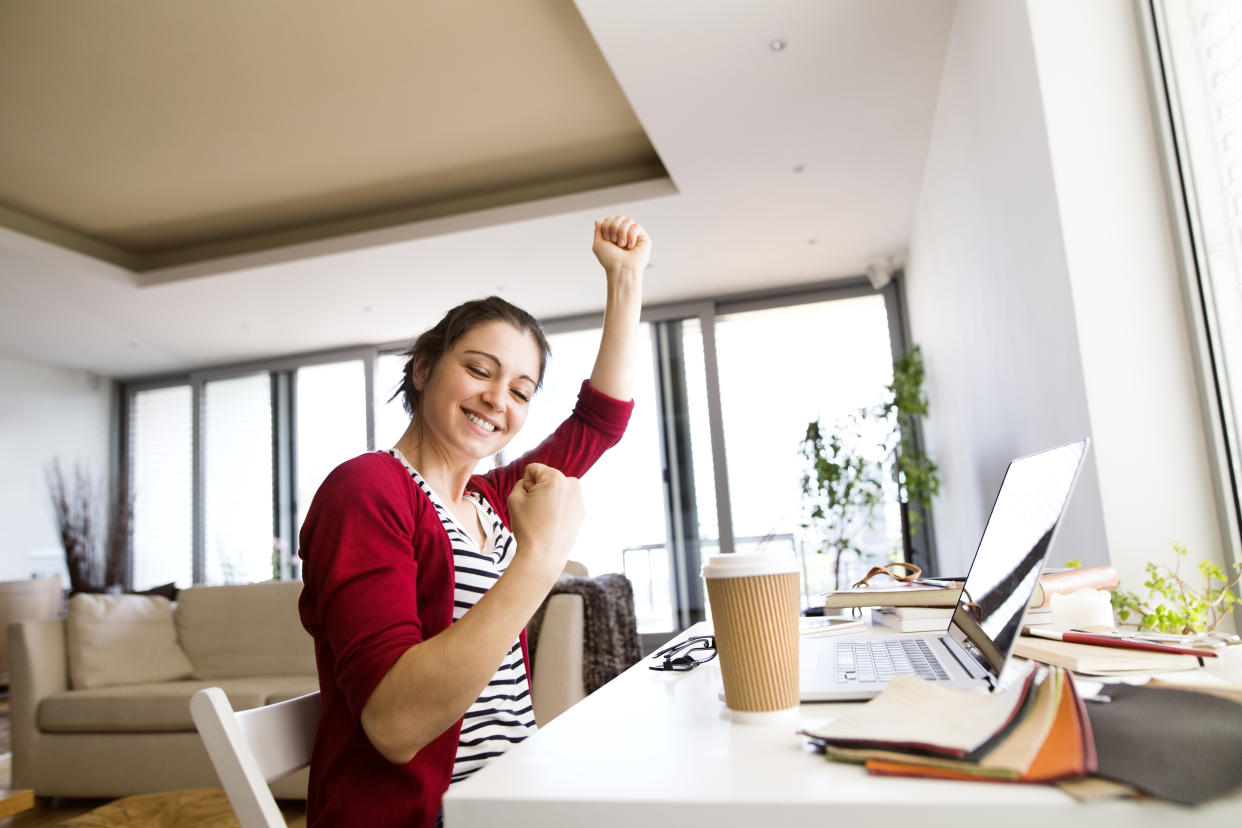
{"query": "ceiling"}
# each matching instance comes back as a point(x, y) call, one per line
point(184, 185)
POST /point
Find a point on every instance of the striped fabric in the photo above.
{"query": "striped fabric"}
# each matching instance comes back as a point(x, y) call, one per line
point(502, 715)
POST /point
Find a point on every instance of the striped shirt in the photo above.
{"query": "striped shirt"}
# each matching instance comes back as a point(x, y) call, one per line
point(502, 715)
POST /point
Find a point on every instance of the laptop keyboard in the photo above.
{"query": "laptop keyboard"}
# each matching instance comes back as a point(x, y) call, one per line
point(868, 662)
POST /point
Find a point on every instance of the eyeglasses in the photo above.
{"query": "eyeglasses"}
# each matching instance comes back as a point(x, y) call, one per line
point(911, 575)
point(686, 655)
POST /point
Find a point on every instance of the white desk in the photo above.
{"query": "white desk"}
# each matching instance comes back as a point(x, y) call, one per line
point(656, 749)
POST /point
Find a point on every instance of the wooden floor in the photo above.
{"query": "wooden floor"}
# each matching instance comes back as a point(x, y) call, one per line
point(49, 812)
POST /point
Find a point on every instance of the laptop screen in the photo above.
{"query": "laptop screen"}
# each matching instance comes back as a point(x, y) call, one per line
point(1011, 553)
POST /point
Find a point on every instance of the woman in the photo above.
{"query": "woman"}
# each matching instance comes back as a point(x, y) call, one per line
point(421, 575)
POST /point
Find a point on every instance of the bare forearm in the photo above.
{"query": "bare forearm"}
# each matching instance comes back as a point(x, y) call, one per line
point(434, 682)
point(614, 366)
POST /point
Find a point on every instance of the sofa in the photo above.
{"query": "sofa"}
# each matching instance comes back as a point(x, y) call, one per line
point(100, 700)
point(28, 598)
point(82, 727)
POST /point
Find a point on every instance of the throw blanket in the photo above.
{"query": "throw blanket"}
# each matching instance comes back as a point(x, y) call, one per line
point(610, 632)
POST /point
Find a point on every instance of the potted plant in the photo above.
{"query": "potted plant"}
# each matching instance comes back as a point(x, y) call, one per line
point(846, 465)
point(918, 476)
point(1173, 604)
point(842, 486)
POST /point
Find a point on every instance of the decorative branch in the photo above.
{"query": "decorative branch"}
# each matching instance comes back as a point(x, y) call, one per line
point(73, 507)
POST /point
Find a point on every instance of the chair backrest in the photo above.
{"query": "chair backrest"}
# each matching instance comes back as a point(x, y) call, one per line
point(251, 748)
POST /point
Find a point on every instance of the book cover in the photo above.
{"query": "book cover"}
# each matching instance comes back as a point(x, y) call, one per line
point(1100, 661)
point(1057, 747)
point(923, 595)
point(919, 612)
point(935, 623)
point(912, 714)
point(919, 595)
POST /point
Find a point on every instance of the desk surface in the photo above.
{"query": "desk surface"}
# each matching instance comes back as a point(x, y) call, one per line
point(657, 749)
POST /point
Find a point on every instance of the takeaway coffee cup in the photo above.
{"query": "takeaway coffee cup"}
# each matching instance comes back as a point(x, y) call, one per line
point(754, 605)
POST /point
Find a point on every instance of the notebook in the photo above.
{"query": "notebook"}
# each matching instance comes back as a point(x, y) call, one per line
point(988, 616)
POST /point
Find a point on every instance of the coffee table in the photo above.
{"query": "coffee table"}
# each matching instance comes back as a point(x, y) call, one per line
point(14, 802)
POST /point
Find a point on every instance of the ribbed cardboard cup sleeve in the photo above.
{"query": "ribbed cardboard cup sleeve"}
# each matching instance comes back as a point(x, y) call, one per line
point(756, 621)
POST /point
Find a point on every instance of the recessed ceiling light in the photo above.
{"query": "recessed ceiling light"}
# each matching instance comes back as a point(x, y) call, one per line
point(778, 45)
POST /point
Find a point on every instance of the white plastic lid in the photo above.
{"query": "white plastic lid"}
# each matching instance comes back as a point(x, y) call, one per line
point(744, 565)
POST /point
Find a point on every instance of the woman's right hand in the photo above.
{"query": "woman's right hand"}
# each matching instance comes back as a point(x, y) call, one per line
point(545, 513)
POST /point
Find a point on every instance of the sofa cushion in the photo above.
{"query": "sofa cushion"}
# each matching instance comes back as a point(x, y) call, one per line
point(246, 630)
point(158, 706)
point(123, 639)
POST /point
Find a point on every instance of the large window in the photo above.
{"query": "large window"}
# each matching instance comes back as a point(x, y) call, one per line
point(781, 368)
point(162, 483)
point(237, 480)
point(1200, 44)
point(625, 528)
point(330, 423)
point(225, 464)
point(390, 417)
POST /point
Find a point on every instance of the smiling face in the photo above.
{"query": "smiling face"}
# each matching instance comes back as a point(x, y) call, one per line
point(478, 394)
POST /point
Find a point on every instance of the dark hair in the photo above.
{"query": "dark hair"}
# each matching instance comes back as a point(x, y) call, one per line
point(436, 342)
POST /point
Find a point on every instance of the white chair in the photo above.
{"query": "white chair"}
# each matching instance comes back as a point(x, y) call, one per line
point(251, 748)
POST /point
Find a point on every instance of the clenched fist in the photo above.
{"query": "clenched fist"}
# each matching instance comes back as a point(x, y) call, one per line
point(546, 511)
point(621, 244)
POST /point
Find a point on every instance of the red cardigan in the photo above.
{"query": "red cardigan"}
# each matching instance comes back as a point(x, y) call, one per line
point(378, 572)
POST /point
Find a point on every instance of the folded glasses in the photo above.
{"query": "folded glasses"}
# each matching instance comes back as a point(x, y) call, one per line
point(911, 574)
point(686, 655)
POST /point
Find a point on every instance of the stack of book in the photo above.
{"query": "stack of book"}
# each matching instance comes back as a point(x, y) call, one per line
point(1034, 730)
point(927, 606)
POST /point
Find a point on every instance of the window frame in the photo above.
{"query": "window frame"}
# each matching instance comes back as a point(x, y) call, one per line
point(1223, 443)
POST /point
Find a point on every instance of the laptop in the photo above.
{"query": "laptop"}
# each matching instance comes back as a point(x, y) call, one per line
point(988, 617)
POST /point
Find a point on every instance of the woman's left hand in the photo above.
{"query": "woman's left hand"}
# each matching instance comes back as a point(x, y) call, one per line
point(621, 244)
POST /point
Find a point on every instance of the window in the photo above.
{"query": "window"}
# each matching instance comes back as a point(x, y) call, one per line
point(1200, 45)
point(237, 480)
point(390, 417)
point(710, 461)
point(161, 477)
point(781, 368)
point(624, 529)
point(330, 423)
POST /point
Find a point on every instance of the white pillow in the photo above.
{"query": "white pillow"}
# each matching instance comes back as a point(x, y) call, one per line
point(123, 639)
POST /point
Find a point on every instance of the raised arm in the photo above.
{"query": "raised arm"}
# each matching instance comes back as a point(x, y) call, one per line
point(623, 248)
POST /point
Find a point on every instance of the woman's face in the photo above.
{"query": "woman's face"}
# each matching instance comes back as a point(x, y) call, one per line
point(479, 393)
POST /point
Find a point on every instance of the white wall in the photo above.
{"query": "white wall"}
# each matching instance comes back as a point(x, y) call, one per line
point(1155, 476)
point(988, 288)
point(1043, 284)
point(45, 413)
